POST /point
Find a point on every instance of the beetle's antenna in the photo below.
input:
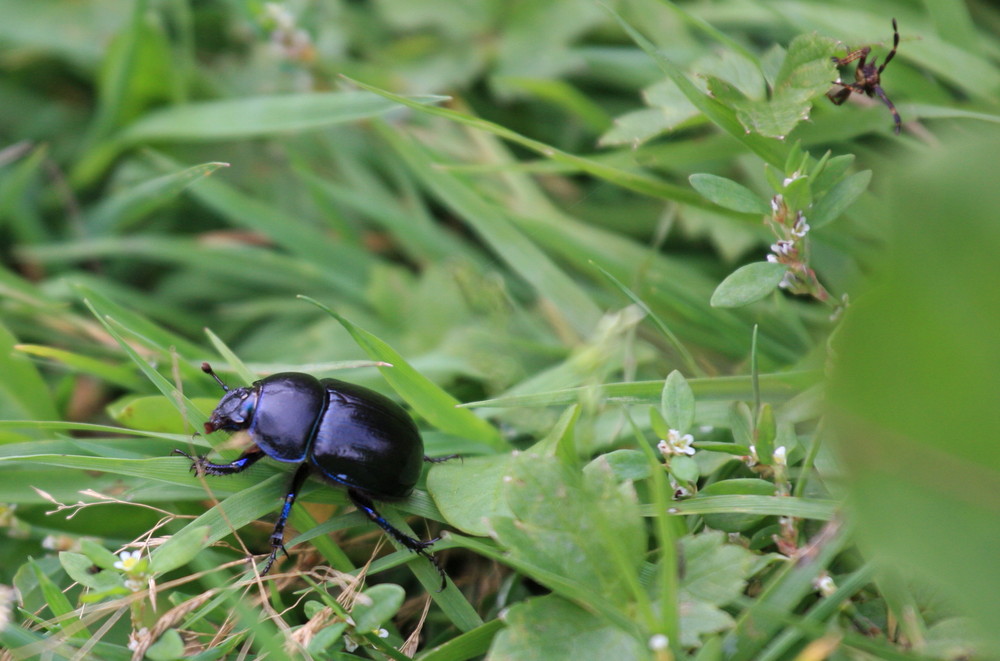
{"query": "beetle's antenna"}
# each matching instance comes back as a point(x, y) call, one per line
point(207, 369)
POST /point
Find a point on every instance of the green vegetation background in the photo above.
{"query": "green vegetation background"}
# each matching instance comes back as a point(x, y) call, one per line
point(540, 210)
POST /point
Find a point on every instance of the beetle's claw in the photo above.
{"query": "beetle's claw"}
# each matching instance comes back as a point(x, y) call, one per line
point(438, 460)
point(196, 462)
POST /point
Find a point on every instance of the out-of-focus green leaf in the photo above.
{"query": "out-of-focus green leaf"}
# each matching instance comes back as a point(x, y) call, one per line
point(23, 393)
point(232, 119)
point(121, 210)
point(839, 198)
point(917, 380)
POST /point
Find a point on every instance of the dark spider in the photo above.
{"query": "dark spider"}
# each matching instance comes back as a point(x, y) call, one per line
point(867, 76)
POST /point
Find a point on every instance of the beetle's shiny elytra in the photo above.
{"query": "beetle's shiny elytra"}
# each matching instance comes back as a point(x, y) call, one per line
point(351, 436)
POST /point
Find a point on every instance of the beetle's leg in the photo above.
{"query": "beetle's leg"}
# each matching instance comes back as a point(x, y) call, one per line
point(365, 504)
point(203, 466)
point(278, 535)
point(438, 460)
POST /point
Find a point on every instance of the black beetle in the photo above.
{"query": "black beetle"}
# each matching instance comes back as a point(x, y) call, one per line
point(352, 436)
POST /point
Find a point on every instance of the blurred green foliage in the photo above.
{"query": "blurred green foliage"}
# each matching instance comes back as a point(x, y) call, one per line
point(606, 252)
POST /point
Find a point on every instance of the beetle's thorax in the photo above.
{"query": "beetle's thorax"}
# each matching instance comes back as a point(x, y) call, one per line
point(235, 410)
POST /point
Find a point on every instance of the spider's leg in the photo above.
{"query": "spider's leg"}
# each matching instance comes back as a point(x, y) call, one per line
point(838, 96)
point(892, 108)
point(895, 45)
point(861, 53)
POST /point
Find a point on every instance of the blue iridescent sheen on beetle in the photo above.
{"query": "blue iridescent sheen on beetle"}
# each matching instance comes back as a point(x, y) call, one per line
point(349, 435)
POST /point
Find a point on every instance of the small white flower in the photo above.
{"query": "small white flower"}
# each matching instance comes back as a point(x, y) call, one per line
point(8, 597)
point(134, 585)
point(129, 560)
point(782, 247)
point(280, 15)
point(676, 443)
point(382, 633)
point(825, 585)
point(776, 202)
point(801, 227)
point(137, 638)
point(795, 175)
point(658, 642)
point(779, 456)
point(772, 258)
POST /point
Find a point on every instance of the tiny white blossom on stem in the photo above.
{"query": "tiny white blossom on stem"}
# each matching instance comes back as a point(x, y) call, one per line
point(780, 456)
point(137, 639)
point(782, 248)
point(658, 642)
point(801, 227)
point(676, 443)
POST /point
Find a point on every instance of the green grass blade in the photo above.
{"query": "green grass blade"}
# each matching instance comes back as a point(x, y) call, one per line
point(425, 396)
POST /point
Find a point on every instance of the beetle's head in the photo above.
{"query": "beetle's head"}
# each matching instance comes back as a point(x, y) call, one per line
point(234, 412)
point(235, 409)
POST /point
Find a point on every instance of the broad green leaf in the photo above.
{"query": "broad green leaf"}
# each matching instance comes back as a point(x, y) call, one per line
point(699, 619)
point(376, 606)
point(168, 646)
point(715, 573)
point(625, 464)
point(79, 568)
point(677, 402)
point(684, 468)
point(582, 527)
point(748, 284)
point(551, 627)
point(470, 491)
point(729, 194)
